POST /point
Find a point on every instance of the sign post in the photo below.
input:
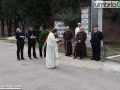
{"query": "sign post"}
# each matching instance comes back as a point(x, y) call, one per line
point(61, 27)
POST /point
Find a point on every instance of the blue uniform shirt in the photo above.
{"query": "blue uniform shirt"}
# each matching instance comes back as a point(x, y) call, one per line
point(96, 38)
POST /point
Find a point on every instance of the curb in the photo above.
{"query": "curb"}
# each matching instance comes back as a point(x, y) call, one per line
point(112, 60)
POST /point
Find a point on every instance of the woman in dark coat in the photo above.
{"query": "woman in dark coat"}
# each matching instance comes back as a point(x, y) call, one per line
point(80, 48)
point(20, 43)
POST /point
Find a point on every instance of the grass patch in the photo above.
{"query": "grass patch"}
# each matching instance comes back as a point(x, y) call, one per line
point(89, 52)
point(112, 45)
point(2, 37)
point(117, 58)
point(61, 48)
point(10, 41)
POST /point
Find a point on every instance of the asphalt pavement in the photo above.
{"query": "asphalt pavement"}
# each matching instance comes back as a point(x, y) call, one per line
point(33, 74)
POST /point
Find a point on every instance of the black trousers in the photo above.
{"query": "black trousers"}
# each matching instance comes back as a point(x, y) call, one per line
point(40, 51)
point(29, 49)
point(20, 47)
point(96, 52)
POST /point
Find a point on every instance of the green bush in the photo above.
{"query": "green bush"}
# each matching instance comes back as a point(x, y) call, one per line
point(43, 37)
point(56, 36)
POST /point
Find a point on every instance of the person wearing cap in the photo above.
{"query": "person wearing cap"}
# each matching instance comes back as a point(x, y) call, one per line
point(31, 35)
point(96, 37)
point(77, 29)
point(38, 32)
point(20, 43)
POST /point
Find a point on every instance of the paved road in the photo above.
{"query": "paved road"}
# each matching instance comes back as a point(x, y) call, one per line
point(33, 75)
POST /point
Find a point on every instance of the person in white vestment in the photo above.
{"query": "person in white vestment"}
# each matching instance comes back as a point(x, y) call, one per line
point(77, 29)
point(52, 50)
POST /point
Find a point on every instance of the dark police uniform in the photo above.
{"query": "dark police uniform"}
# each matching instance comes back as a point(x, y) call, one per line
point(31, 42)
point(20, 44)
point(96, 38)
point(38, 32)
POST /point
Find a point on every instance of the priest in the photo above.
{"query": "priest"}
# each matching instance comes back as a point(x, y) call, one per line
point(80, 48)
point(52, 50)
point(67, 41)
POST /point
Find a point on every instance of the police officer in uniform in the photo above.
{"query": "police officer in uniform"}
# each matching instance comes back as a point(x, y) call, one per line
point(20, 43)
point(96, 37)
point(31, 35)
point(38, 32)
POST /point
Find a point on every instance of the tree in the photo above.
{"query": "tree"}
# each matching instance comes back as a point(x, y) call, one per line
point(69, 11)
point(10, 8)
point(7, 17)
point(2, 21)
point(71, 19)
point(60, 6)
point(9, 13)
point(35, 12)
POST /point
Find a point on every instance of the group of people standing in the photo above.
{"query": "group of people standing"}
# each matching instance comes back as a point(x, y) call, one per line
point(80, 46)
point(32, 36)
point(52, 47)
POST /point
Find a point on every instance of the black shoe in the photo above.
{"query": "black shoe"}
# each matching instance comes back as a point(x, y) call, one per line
point(45, 56)
point(18, 59)
point(66, 55)
point(97, 60)
point(92, 59)
point(23, 58)
point(35, 57)
point(30, 58)
point(80, 57)
point(41, 56)
point(75, 57)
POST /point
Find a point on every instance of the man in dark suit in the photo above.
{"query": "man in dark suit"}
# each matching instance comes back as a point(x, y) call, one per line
point(96, 37)
point(31, 35)
point(20, 43)
point(38, 32)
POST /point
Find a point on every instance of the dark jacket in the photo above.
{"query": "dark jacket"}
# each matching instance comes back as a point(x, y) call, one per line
point(30, 33)
point(19, 40)
point(96, 38)
point(38, 32)
point(67, 35)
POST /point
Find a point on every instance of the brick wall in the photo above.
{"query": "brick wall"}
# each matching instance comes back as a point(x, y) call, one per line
point(6, 31)
point(111, 31)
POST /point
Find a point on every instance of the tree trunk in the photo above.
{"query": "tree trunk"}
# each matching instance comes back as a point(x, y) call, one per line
point(15, 25)
point(9, 27)
point(2, 28)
